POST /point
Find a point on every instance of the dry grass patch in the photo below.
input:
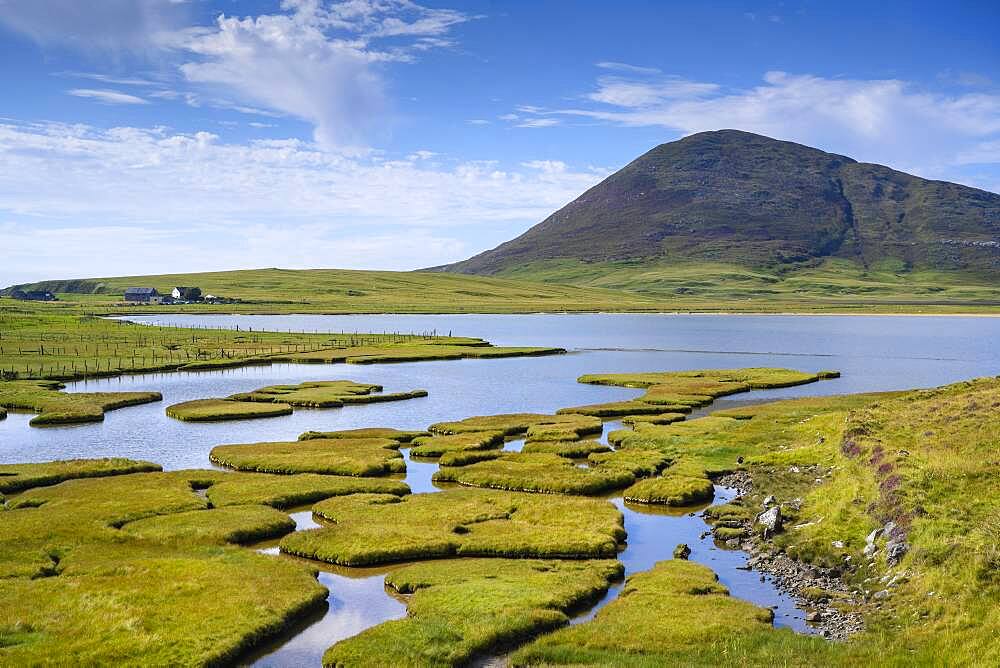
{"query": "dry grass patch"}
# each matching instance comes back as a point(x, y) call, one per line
point(334, 456)
point(215, 410)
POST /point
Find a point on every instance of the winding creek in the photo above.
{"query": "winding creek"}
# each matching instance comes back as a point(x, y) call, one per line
point(873, 353)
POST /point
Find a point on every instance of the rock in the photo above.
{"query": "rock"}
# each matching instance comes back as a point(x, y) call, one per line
point(895, 550)
point(794, 469)
point(814, 617)
point(839, 544)
point(874, 536)
point(889, 528)
point(770, 519)
point(881, 595)
point(682, 551)
point(769, 501)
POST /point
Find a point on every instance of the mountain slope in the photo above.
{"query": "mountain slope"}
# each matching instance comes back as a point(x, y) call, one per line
point(739, 198)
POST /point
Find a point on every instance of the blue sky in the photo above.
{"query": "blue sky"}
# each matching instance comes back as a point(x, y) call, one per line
point(142, 136)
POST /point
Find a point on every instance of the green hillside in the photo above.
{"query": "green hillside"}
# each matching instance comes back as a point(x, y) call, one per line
point(737, 198)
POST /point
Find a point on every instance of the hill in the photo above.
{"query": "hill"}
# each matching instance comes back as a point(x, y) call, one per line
point(739, 199)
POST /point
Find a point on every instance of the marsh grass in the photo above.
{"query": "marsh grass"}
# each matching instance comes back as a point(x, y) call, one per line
point(55, 407)
point(325, 394)
point(516, 424)
point(436, 446)
point(527, 472)
point(366, 432)
point(370, 528)
point(289, 491)
point(18, 477)
point(679, 485)
point(568, 449)
point(458, 609)
point(334, 456)
point(216, 410)
point(231, 524)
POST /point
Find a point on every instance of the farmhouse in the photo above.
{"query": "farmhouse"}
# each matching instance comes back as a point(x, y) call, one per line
point(186, 294)
point(143, 296)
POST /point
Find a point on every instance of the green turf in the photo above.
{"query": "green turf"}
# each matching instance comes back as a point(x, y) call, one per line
point(528, 472)
point(18, 477)
point(568, 449)
point(458, 609)
point(55, 407)
point(536, 425)
point(287, 491)
point(335, 456)
point(366, 432)
point(232, 524)
point(435, 446)
point(372, 529)
point(217, 410)
point(677, 486)
point(324, 394)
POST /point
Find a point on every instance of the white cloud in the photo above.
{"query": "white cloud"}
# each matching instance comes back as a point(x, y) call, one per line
point(106, 96)
point(887, 121)
point(538, 123)
point(625, 67)
point(164, 199)
point(477, 121)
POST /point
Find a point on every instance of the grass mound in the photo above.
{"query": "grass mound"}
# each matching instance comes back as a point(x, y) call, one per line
point(414, 352)
point(675, 614)
point(215, 410)
point(536, 425)
point(569, 449)
point(18, 477)
point(536, 473)
point(462, 608)
point(377, 528)
point(335, 456)
point(55, 407)
point(679, 485)
point(287, 491)
point(325, 394)
point(680, 391)
point(233, 524)
point(640, 463)
point(466, 457)
point(366, 432)
point(660, 419)
point(435, 446)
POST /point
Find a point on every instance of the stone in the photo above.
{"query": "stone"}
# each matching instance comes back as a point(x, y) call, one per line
point(771, 520)
point(895, 550)
point(769, 501)
point(881, 595)
point(814, 617)
point(839, 544)
point(682, 551)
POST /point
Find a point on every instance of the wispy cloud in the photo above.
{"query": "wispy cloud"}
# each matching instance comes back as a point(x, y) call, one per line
point(877, 120)
point(198, 201)
point(106, 96)
point(538, 122)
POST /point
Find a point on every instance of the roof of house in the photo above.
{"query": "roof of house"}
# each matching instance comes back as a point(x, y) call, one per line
point(140, 291)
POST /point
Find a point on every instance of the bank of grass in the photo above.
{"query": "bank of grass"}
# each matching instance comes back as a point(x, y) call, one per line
point(18, 477)
point(536, 426)
point(673, 393)
point(436, 446)
point(65, 341)
point(334, 456)
point(231, 524)
point(218, 410)
point(568, 449)
point(462, 608)
point(542, 472)
point(839, 467)
point(638, 462)
point(373, 529)
point(277, 400)
point(56, 407)
point(675, 614)
point(679, 485)
point(325, 394)
point(400, 436)
point(288, 491)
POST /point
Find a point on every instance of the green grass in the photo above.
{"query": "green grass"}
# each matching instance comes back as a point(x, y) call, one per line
point(64, 341)
point(325, 394)
point(19, 477)
point(671, 615)
point(831, 286)
point(55, 407)
point(547, 473)
point(288, 491)
point(231, 524)
point(671, 393)
point(466, 457)
point(366, 432)
point(640, 463)
point(335, 456)
point(678, 486)
point(216, 410)
point(373, 529)
point(536, 425)
point(276, 400)
point(568, 449)
point(458, 609)
point(435, 446)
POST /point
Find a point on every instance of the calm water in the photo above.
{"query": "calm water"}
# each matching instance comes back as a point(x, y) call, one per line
point(873, 353)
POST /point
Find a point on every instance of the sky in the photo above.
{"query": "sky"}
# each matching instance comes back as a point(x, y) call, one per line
point(153, 136)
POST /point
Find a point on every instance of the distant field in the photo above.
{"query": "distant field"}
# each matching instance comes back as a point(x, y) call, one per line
point(836, 286)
